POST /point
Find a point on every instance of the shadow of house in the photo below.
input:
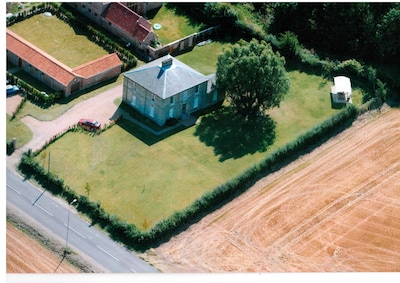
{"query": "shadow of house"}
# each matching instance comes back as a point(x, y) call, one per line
point(144, 129)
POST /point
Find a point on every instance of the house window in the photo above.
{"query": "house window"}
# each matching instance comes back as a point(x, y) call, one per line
point(214, 96)
point(196, 102)
point(151, 111)
point(185, 96)
point(133, 101)
point(196, 89)
point(90, 10)
point(153, 98)
point(171, 113)
point(134, 90)
point(171, 100)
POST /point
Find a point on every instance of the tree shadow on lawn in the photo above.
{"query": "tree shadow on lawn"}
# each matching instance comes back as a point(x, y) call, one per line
point(232, 136)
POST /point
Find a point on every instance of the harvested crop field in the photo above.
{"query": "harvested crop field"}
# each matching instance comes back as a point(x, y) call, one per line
point(32, 249)
point(335, 209)
point(26, 255)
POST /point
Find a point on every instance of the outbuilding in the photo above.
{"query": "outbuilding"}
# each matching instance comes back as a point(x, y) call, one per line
point(341, 90)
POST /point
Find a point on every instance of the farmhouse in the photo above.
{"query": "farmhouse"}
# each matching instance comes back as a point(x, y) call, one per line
point(118, 19)
point(167, 88)
point(55, 74)
point(341, 90)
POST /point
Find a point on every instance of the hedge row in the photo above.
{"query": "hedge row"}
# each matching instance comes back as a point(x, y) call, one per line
point(128, 59)
point(288, 44)
point(163, 230)
point(33, 94)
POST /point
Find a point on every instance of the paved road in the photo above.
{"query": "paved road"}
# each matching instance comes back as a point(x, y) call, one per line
point(53, 214)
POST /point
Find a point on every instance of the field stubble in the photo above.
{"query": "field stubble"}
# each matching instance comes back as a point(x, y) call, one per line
point(336, 209)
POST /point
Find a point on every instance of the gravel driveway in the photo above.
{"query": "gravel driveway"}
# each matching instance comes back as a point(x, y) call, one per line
point(100, 107)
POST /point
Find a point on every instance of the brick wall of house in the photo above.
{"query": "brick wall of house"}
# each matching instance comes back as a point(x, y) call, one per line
point(103, 76)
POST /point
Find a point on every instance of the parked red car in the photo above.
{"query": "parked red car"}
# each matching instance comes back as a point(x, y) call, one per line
point(89, 124)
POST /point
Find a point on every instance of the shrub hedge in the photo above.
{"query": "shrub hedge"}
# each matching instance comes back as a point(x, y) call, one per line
point(133, 238)
point(128, 59)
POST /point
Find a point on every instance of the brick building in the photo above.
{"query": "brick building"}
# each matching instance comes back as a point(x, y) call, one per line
point(55, 74)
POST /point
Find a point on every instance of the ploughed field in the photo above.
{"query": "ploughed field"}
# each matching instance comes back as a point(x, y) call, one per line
point(335, 209)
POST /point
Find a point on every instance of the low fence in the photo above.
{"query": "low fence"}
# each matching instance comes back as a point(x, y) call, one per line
point(182, 44)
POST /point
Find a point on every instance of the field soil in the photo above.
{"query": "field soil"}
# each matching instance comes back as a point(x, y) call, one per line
point(32, 249)
point(335, 209)
point(25, 255)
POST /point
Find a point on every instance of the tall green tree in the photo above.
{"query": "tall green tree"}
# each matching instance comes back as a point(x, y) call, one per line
point(388, 35)
point(253, 77)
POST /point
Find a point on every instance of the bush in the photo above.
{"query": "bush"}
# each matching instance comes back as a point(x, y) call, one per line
point(350, 67)
point(171, 122)
point(10, 147)
point(289, 44)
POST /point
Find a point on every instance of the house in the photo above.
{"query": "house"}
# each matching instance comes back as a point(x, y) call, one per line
point(55, 74)
point(121, 21)
point(167, 88)
point(142, 8)
point(341, 90)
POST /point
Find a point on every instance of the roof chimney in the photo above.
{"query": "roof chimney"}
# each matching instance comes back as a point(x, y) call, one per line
point(166, 63)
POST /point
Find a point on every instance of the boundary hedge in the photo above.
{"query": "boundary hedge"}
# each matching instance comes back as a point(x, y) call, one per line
point(133, 238)
point(94, 34)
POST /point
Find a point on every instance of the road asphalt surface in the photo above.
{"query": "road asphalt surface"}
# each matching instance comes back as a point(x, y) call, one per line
point(54, 213)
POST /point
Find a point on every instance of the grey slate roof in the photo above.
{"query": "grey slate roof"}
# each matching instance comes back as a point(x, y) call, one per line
point(168, 81)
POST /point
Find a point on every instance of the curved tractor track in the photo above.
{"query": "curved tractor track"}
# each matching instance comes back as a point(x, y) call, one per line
point(336, 209)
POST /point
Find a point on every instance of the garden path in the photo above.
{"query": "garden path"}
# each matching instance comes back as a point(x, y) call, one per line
point(100, 107)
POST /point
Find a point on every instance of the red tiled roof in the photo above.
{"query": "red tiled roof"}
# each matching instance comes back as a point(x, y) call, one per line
point(98, 66)
point(39, 59)
point(128, 20)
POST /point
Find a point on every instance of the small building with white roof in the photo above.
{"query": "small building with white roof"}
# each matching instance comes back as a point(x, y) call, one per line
point(341, 90)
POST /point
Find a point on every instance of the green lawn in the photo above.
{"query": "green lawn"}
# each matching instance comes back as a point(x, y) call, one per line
point(144, 179)
point(58, 39)
point(64, 105)
point(17, 129)
point(173, 25)
point(144, 182)
point(204, 58)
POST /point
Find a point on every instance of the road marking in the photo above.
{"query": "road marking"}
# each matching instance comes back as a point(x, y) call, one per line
point(133, 270)
point(8, 186)
point(107, 253)
point(43, 209)
point(74, 231)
